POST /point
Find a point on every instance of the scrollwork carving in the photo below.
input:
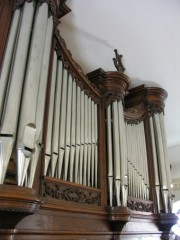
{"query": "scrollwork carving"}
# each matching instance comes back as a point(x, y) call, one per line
point(140, 205)
point(109, 99)
point(153, 109)
point(71, 194)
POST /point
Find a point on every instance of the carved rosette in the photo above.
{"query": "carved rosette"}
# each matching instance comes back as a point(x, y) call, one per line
point(71, 193)
point(140, 205)
point(135, 114)
point(142, 100)
point(113, 85)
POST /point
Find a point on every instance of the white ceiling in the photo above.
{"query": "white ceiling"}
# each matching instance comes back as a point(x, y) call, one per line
point(145, 32)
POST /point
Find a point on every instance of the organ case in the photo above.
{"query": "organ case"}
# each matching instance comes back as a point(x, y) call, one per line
point(82, 156)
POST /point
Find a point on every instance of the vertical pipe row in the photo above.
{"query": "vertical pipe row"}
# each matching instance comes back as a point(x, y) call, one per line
point(56, 118)
point(155, 161)
point(72, 135)
point(117, 154)
point(75, 108)
point(160, 139)
point(137, 161)
point(96, 145)
point(49, 149)
point(73, 150)
point(12, 76)
point(30, 121)
point(123, 154)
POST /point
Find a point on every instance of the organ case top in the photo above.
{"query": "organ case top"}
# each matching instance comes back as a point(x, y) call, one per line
point(76, 146)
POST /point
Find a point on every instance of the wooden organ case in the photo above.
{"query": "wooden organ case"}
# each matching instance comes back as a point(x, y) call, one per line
point(81, 156)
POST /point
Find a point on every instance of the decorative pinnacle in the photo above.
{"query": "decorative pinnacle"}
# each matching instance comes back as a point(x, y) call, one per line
point(118, 62)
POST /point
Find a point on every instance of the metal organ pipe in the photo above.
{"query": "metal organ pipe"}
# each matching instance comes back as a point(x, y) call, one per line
point(117, 172)
point(156, 172)
point(161, 161)
point(110, 155)
point(89, 142)
point(68, 128)
point(82, 139)
point(123, 153)
point(73, 133)
point(56, 118)
point(30, 91)
point(93, 146)
point(62, 126)
point(8, 57)
point(78, 134)
point(86, 117)
point(49, 150)
point(164, 140)
point(96, 145)
point(16, 78)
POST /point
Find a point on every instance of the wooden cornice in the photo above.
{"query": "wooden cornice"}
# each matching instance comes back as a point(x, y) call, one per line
point(16, 203)
point(112, 84)
point(153, 98)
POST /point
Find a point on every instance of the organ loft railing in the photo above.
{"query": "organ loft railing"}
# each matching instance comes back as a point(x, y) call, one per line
point(86, 140)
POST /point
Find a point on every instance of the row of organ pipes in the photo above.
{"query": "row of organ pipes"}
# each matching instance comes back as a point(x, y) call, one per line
point(128, 173)
point(24, 77)
point(71, 152)
point(71, 144)
point(72, 135)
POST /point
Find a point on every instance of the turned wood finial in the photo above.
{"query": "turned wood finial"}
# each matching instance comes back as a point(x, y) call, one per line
point(118, 62)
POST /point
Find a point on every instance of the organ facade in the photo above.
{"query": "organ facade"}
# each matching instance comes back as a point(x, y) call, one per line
point(81, 156)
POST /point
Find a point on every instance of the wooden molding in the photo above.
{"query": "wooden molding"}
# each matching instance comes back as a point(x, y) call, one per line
point(16, 203)
point(117, 217)
point(60, 190)
point(152, 97)
point(113, 85)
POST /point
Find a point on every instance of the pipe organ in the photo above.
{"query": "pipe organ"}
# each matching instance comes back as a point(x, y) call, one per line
point(80, 155)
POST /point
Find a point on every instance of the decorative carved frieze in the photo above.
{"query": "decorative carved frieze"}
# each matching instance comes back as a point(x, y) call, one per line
point(71, 193)
point(141, 205)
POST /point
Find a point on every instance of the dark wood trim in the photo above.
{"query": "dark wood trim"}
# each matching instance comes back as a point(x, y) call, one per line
point(113, 85)
point(16, 203)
